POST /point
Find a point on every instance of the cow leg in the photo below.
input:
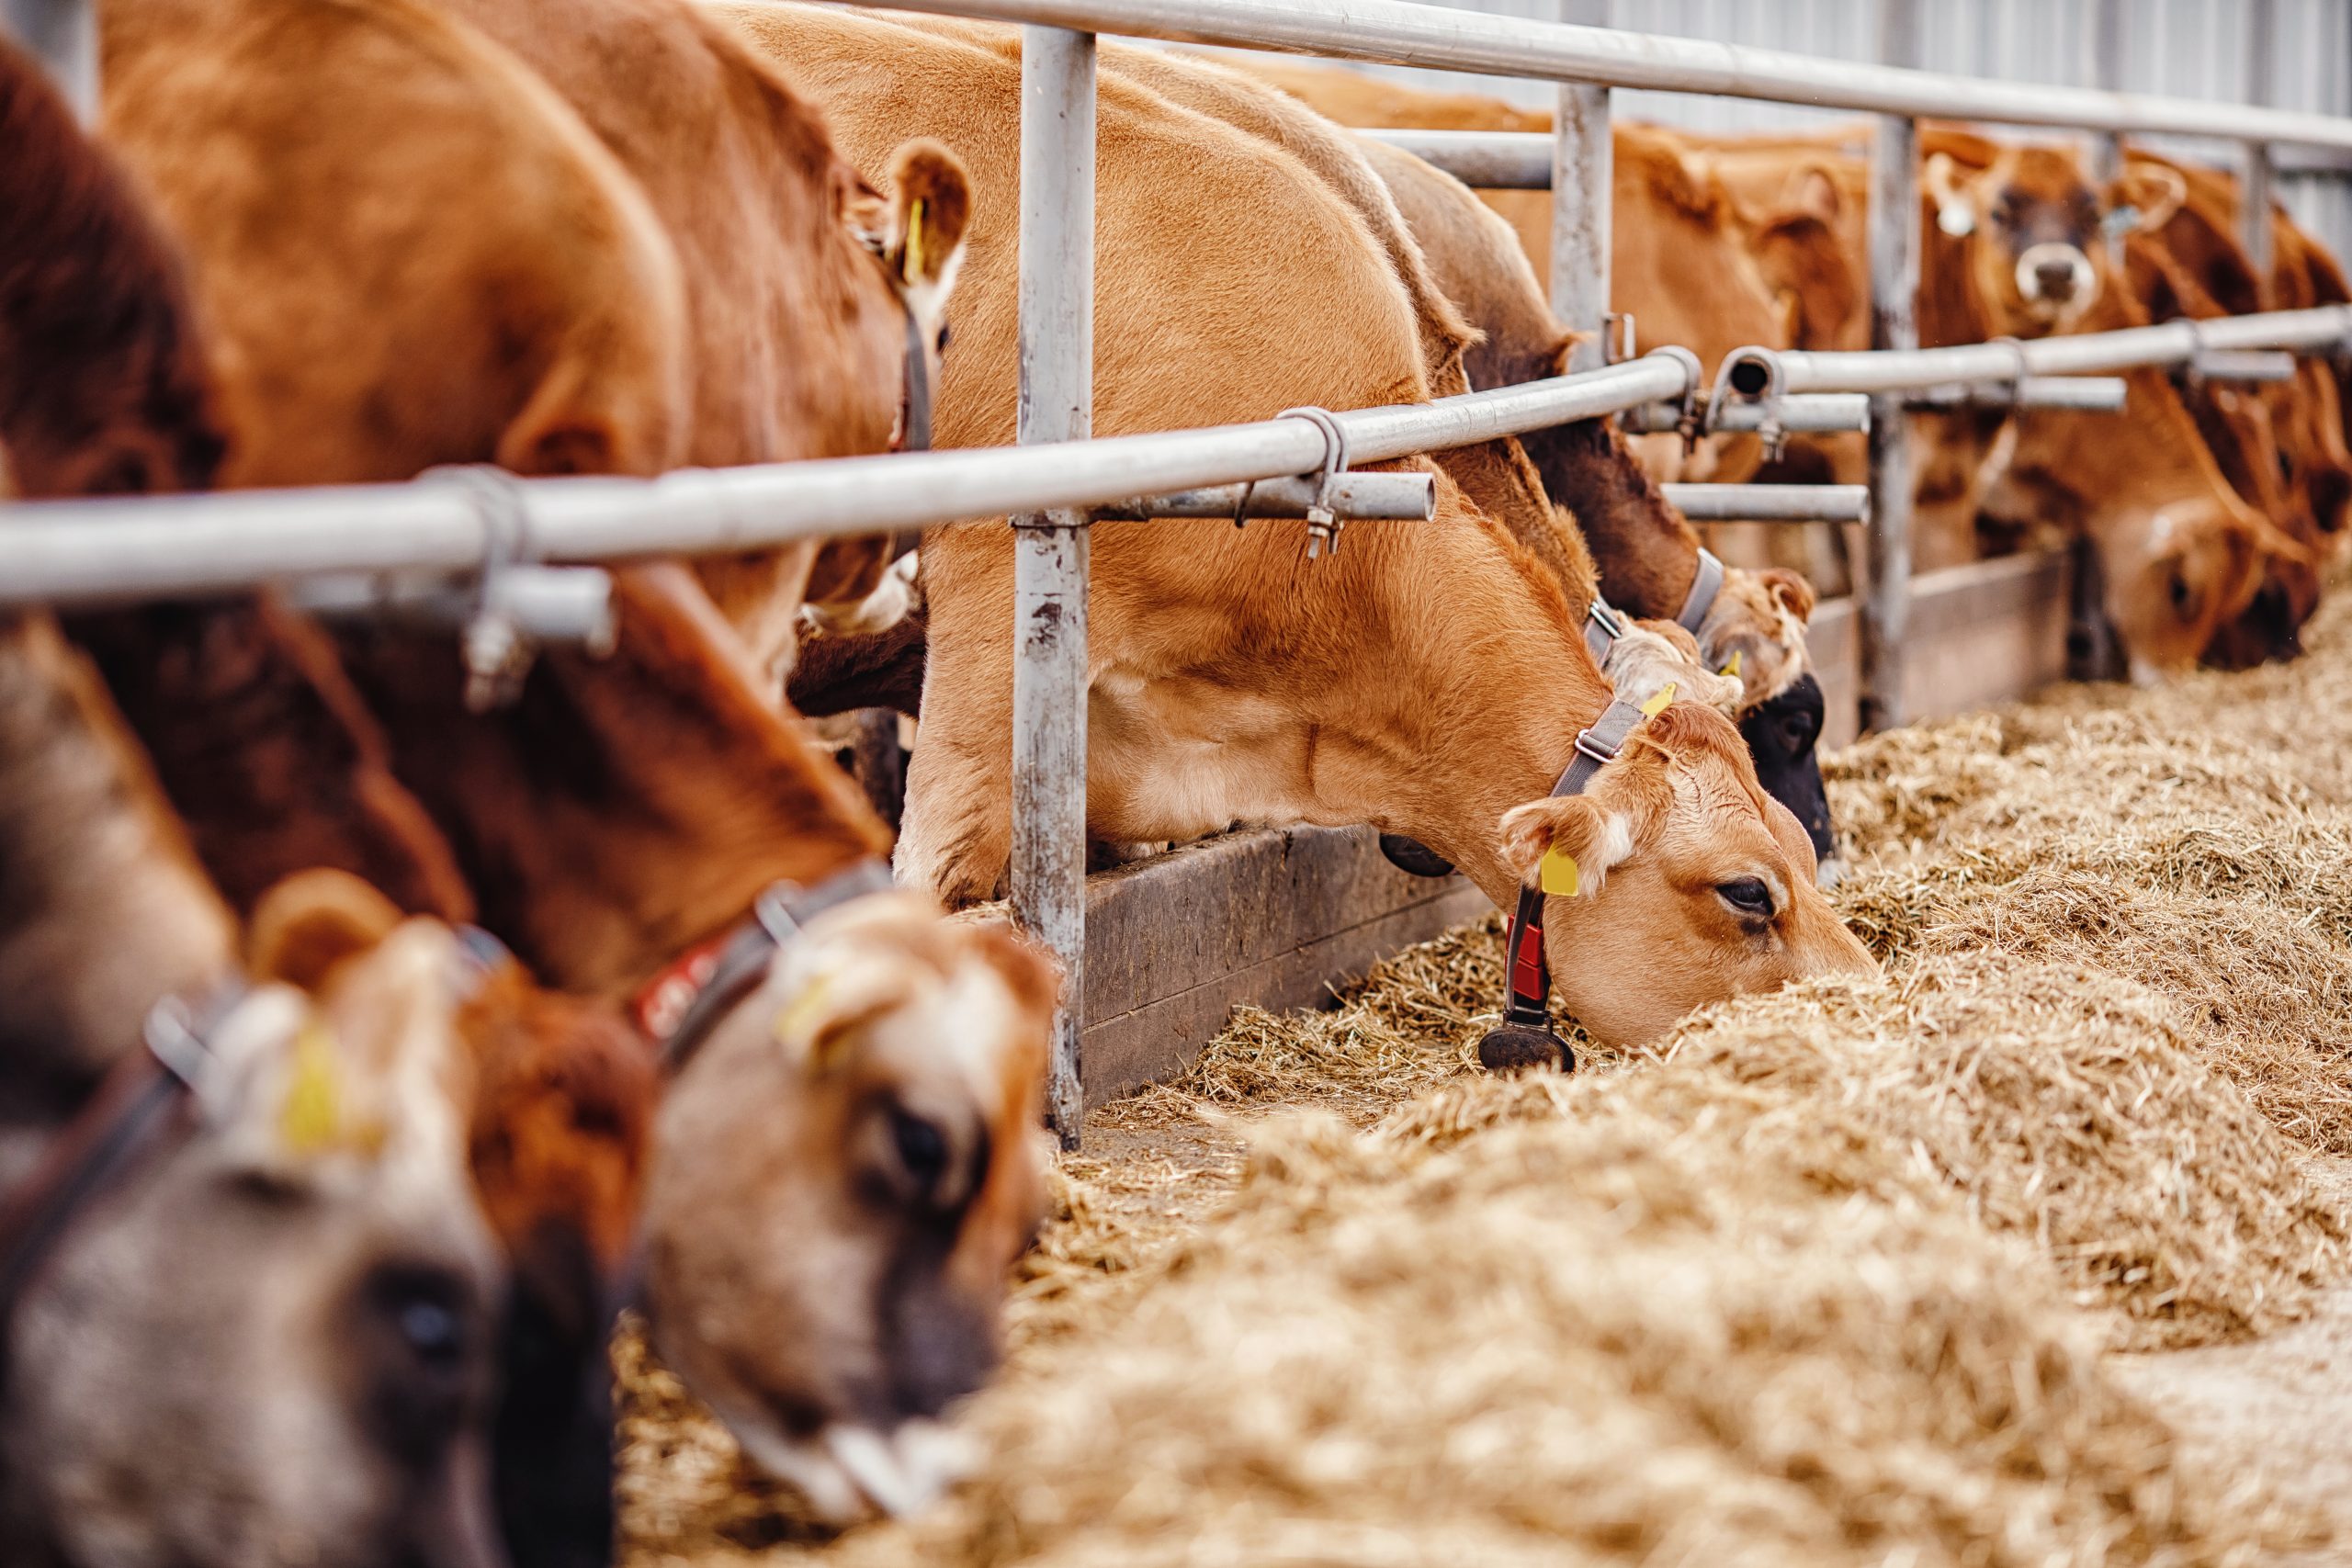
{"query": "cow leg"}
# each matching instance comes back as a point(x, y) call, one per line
point(955, 837)
point(878, 764)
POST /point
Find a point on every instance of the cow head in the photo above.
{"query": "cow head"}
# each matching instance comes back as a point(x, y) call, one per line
point(2280, 446)
point(1755, 630)
point(1650, 657)
point(1803, 242)
point(560, 1138)
point(1689, 883)
point(842, 1176)
point(2028, 221)
point(271, 1345)
point(2175, 573)
point(917, 234)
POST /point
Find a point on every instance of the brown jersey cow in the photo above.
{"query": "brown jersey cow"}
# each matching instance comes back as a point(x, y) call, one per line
point(626, 810)
point(295, 1251)
point(1424, 679)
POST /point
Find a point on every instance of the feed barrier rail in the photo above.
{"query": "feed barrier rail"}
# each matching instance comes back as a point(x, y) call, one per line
point(1586, 61)
point(103, 551)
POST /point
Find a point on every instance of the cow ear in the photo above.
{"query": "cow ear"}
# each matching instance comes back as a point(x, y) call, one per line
point(2149, 194)
point(2273, 540)
point(313, 921)
point(1790, 590)
point(1955, 209)
point(820, 1017)
point(561, 431)
point(1811, 191)
point(1565, 844)
point(930, 212)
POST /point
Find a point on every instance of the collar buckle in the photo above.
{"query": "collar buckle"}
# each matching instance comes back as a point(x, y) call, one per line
point(1600, 751)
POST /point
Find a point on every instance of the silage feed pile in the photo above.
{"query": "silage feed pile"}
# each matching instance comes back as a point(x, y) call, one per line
point(1824, 1279)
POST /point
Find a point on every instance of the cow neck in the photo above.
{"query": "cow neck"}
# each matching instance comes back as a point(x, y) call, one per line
point(683, 790)
point(680, 1007)
point(1646, 552)
point(267, 753)
point(1535, 703)
point(2109, 465)
point(1527, 971)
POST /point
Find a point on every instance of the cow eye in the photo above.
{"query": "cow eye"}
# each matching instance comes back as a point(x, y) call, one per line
point(1747, 895)
point(419, 1340)
point(426, 1312)
point(923, 1149)
point(1797, 733)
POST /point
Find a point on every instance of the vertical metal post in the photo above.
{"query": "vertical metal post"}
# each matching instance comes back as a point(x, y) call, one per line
point(2254, 217)
point(1050, 549)
point(1895, 287)
point(65, 35)
point(2107, 71)
point(1582, 165)
point(2092, 652)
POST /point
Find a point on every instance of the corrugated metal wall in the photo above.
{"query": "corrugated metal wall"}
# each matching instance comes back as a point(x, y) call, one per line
point(2183, 48)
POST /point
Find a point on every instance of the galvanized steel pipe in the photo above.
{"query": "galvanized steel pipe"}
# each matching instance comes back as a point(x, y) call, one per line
point(1813, 413)
point(1771, 503)
point(1399, 32)
point(1489, 160)
point(64, 36)
point(1050, 576)
point(124, 549)
point(1895, 288)
point(2084, 394)
point(2323, 328)
point(1583, 159)
point(1408, 497)
point(2254, 209)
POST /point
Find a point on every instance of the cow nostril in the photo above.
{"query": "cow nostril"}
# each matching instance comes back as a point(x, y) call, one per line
point(2056, 277)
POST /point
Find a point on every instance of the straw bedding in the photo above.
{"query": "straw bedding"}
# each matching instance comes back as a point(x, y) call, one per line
point(1824, 1279)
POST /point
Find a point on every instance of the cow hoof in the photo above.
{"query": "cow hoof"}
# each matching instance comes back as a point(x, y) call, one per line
point(1412, 855)
point(1515, 1048)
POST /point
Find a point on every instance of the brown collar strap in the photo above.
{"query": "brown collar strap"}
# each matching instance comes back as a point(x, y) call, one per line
point(132, 1106)
point(722, 974)
point(1525, 1037)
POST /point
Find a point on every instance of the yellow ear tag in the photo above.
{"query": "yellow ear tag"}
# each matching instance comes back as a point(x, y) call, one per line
point(912, 268)
point(1732, 669)
point(1558, 873)
point(309, 1120)
point(1657, 705)
point(798, 1022)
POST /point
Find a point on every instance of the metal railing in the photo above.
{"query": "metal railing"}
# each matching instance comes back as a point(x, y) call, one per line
point(1587, 62)
point(1397, 32)
point(121, 549)
point(97, 551)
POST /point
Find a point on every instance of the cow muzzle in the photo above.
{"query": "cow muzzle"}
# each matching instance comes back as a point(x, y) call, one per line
point(848, 1474)
point(2054, 277)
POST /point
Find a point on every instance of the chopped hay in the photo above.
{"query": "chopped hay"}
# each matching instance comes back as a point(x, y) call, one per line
point(1797, 1293)
point(1414, 1022)
point(1623, 1337)
point(2060, 1105)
